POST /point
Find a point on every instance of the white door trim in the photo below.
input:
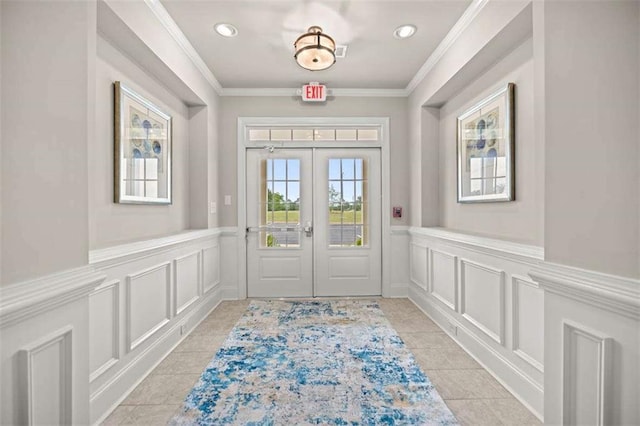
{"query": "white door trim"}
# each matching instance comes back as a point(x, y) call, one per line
point(383, 143)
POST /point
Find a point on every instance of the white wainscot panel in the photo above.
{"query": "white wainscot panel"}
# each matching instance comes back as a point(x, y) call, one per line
point(280, 268)
point(349, 267)
point(211, 267)
point(186, 281)
point(148, 303)
point(482, 290)
point(528, 321)
point(587, 376)
point(419, 265)
point(444, 278)
point(45, 380)
point(104, 324)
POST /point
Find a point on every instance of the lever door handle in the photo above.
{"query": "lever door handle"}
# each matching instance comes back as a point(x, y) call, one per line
point(308, 229)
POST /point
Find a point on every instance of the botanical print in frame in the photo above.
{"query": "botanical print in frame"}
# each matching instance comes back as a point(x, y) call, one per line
point(486, 161)
point(142, 160)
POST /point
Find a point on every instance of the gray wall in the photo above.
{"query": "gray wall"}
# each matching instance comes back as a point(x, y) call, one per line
point(57, 136)
point(520, 220)
point(111, 222)
point(592, 135)
point(234, 107)
point(47, 117)
point(476, 45)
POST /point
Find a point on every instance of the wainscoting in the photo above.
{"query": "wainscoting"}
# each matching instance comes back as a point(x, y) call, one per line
point(44, 337)
point(478, 290)
point(592, 337)
point(154, 294)
point(75, 343)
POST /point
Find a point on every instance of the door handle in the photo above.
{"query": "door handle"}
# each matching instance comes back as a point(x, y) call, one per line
point(308, 229)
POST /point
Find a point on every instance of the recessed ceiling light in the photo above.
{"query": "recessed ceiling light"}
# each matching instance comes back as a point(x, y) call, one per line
point(226, 30)
point(404, 31)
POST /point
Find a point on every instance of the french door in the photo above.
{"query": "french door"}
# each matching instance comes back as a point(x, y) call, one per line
point(313, 222)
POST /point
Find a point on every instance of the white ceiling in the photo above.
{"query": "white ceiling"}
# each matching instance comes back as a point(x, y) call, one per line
point(261, 56)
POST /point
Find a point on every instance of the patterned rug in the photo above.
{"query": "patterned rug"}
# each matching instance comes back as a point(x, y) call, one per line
point(313, 362)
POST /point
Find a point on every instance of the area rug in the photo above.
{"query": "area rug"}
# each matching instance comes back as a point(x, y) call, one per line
point(313, 362)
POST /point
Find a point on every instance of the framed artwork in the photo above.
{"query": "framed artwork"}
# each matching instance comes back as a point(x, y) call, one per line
point(486, 149)
point(486, 139)
point(142, 149)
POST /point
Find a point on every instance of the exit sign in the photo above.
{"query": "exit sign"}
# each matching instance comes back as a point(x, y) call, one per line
point(314, 92)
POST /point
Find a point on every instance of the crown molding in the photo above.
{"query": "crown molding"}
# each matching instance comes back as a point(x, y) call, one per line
point(167, 21)
point(296, 91)
point(458, 28)
point(172, 27)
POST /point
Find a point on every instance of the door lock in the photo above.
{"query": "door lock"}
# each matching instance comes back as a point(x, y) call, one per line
point(308, 230)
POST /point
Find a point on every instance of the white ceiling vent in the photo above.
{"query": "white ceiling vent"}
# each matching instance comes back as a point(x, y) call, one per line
point(341, 51)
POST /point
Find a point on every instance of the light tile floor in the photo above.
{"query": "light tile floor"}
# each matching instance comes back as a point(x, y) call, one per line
point(471, 393)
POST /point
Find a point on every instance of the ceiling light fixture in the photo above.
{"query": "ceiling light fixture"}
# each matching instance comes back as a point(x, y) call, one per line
point(315, 51)
point(404, 31)
point(226, 30)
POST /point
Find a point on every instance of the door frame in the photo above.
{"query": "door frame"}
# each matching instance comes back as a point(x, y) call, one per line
point(243, 143)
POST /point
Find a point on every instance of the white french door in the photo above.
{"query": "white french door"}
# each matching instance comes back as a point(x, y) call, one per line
point(313, 222)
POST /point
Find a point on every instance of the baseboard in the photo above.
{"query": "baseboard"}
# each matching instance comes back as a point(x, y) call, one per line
point(229, 292)
point(529, 393)
point(398, 290)
point(105, 399)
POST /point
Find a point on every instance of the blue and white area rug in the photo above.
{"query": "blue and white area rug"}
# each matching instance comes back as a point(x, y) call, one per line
point(313, 362)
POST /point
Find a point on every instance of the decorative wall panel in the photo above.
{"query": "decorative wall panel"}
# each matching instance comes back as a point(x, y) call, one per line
point(148, 303)
point(186, 281)
point(418, 265)
point(528, 321)
point(211, 267)
point(587, 376)
point(444, 283)
point(104, 326)
point(45, 375)
point(482, 294)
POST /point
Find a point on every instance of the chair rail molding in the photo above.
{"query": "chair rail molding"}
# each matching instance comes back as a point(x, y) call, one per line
point(27, 299)
point(616, 294)
point(507, 249)
point(123, 253)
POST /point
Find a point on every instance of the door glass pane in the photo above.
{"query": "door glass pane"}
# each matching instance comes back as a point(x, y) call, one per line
point(334, 168)
point(347, 203)
point(279, 169)
point(293, 169)
point(280, 210)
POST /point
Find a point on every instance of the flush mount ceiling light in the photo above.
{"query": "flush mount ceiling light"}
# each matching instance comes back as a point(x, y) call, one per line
point(404, 31)
point(315, 51)
point(226, 30)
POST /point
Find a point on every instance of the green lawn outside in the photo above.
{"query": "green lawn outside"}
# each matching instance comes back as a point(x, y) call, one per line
point(334, 217)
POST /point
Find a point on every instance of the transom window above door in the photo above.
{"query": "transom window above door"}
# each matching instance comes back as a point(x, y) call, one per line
point(258, 134)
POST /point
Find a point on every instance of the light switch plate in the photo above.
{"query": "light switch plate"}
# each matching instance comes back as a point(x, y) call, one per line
point(212, 207)
point(227, 200)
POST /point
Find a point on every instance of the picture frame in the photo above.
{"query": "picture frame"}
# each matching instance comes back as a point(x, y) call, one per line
point(486, 149)
point(142, 149)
